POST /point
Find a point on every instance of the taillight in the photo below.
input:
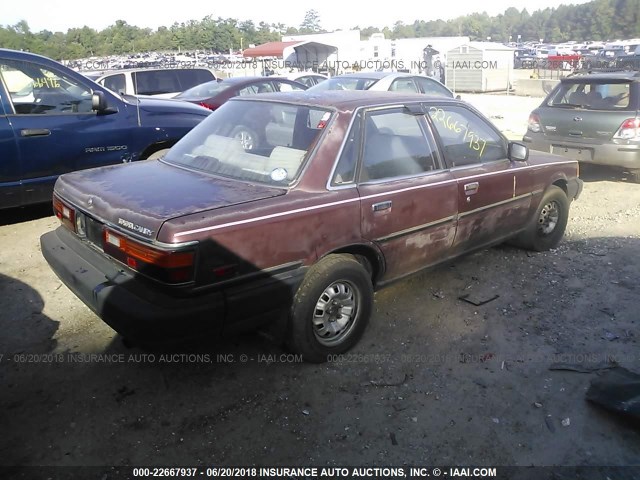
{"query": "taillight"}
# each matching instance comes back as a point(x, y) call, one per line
point(534, 123)
point(629, 130)
point(207, 105)
point(65, 213)
point(168, 266)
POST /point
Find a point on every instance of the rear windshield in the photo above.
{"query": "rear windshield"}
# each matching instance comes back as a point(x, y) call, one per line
point(265, 142)
point(208, 89)
point(592, 95)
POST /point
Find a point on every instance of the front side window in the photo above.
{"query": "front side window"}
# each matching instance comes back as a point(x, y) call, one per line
point(287, 87)
point(395, 146)
point(265, 142)
point(35, 89)
point(260, 87)
point(467, 139)
point(345, 83)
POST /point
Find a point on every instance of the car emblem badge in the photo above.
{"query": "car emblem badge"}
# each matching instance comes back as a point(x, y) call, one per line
point(577, 119)
point(90, 202)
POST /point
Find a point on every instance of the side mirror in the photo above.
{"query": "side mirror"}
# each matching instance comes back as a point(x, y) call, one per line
point(458, 97)
point(99, 103)
point(518, 152)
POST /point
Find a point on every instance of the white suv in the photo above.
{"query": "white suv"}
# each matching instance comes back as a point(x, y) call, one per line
point(162, 82)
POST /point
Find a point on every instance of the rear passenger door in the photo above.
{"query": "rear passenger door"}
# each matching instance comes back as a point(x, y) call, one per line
point(408, 200)
point(494, 193)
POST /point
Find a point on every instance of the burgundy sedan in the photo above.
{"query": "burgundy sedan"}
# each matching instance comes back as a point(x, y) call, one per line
point(341, 194)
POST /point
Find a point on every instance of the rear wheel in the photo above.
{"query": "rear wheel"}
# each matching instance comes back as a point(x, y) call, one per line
point(331, 308)
point(546, 228)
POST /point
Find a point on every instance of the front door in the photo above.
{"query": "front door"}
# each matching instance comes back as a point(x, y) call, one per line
point(493, 192)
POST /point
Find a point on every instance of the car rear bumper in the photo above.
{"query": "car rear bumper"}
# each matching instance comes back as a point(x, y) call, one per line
point(611, 154)
point(140, 312)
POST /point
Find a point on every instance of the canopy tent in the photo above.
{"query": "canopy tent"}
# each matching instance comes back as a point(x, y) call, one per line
point(304, 55)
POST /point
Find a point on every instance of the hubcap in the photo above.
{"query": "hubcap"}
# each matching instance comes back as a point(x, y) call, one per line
point(335, 313)
point(549, 217)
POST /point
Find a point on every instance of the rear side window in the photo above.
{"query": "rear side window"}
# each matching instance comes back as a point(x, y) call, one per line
point(593, 96)
point(395, 146)
point(191, 77)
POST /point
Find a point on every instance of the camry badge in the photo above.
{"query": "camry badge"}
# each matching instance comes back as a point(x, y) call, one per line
point(577, 119)
point(136, 228)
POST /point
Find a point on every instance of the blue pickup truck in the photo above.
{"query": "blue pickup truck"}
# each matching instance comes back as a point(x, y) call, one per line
point(54, 120)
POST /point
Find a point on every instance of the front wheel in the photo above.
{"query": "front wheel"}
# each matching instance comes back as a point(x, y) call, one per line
point(331, 308)
point(546, 228)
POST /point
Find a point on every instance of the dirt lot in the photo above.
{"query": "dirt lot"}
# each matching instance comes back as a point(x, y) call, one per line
point(434, 381)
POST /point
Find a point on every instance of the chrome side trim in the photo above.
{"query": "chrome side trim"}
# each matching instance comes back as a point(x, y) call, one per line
point(356, 199)
point(407, 231)
point(497, 204)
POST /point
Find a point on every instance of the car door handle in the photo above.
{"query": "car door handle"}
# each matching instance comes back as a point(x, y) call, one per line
point(471, 188)
point(35, 132)
point(379, 207)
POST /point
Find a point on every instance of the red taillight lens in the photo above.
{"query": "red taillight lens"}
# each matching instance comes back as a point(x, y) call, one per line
point(207, 105)
point(65, 213)
point(629, 130)
point(534, 123)
point(168, 266)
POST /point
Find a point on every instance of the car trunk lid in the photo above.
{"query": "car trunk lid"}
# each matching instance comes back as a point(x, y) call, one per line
point(139, 197)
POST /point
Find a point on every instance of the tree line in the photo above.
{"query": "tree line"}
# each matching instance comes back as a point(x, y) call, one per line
point(597, 20)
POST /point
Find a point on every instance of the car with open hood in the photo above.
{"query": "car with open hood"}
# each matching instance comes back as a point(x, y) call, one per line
point(340, 194)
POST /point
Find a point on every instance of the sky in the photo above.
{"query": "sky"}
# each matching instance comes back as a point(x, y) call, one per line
point(334, 14)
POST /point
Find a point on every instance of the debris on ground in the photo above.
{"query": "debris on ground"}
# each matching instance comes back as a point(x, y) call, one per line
point(475, 300)
point(549, 422)
point(583, 367)
point(617, 390)
point(376, 383)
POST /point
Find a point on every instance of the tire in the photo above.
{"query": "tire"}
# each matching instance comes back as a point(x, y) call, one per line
point(157, 155)
point(331, 308)
point(546, 228)
point(634, 176)
point(247, 137)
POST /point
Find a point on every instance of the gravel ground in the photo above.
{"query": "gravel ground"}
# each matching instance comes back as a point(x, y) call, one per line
point(435, 380)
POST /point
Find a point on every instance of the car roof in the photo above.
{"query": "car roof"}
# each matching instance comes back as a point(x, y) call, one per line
point(602, 75)
point(375, 75)
point(348, 99)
